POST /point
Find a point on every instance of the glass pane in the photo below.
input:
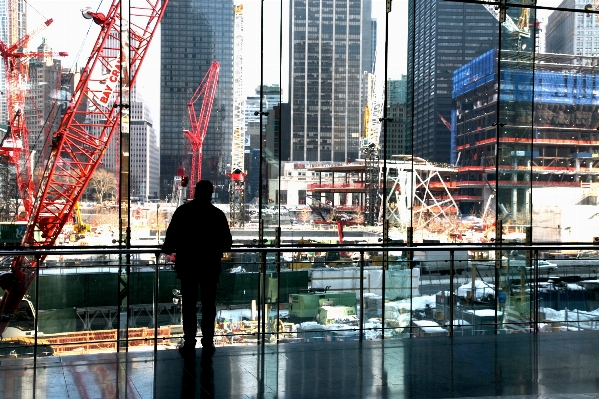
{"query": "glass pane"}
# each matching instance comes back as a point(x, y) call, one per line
point(511, 183)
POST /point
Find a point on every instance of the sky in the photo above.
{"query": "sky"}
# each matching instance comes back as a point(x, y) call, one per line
point(72, 33)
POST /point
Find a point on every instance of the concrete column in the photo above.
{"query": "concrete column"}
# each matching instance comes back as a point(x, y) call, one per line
point(514, 201)
point(528, 171)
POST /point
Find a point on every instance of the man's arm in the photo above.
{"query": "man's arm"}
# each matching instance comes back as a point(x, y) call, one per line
point(227, 239)
point(170, 238)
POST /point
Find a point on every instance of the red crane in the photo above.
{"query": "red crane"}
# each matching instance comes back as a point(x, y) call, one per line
point(445, 122)
point(199, 124)
point(82, 137)
point(15, 144)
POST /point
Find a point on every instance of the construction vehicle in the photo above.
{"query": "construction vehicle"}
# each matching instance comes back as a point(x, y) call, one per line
point(335, 258)
point(329, 215)
point(80, 229)
point(83, 135)
point(302, 260)
point(199, 125)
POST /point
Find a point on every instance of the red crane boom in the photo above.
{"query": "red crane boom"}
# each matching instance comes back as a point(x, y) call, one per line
point(199, 124)
point(445, 122)
point(15, 144)
point(82, 137)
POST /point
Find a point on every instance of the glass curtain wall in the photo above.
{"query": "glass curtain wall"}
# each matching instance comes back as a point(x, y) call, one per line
point(422, 125)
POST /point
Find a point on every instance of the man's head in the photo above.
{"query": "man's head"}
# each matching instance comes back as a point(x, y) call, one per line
point(204, 190)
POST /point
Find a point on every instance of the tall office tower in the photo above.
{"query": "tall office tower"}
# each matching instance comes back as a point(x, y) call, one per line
point(397, 90)
point(397, 137)
point(572, 33)
point(373, 39)
point(252, 105)
point(19, 29)
point(273, 94)
point(194, 34)
point(43, 102)
point(145, 153)
point(271, 97)
point(330, 48)
point(446, 36)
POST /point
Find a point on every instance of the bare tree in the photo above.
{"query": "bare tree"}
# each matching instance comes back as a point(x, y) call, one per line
point(305, 215)
point(104, 183)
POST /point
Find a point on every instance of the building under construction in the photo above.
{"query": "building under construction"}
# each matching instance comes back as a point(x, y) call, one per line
point(416, 192)
point(546, 141)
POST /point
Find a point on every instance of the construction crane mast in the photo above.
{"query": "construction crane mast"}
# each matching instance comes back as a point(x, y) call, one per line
point(76, 148)
point(199, 125)
point(237, 174)
point(373, 111)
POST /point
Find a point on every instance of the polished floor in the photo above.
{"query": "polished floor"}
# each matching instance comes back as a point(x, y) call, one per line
point(551, 365)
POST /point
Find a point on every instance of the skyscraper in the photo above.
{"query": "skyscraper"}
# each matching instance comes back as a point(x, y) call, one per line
point(572, 33)
point(43, 103)
point(330, 48)
point(396, 90)
point(446, 36)
point(194, 34)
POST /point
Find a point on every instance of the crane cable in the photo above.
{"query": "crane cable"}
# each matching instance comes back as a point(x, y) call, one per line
point(78, 54)
point(74, 66)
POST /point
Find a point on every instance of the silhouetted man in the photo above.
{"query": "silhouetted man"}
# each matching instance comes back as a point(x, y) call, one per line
point(198, 234)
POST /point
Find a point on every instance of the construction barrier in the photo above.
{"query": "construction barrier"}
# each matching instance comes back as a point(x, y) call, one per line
point(104, 340)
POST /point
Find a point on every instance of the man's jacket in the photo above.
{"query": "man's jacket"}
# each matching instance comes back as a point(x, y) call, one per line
point(199, 234)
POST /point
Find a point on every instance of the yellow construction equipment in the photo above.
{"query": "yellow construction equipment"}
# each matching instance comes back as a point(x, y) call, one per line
point(79, 227)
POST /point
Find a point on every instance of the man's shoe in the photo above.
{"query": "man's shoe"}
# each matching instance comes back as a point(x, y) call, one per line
point(208, 351)
point(187, 351)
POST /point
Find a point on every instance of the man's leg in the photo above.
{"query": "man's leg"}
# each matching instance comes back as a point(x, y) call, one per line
point(189, 295)
point(208, 298)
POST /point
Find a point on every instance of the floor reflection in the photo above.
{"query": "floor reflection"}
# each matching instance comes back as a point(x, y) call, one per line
point(554, 365)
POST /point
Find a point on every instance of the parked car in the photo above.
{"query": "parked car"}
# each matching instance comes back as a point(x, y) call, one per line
point(543, 265)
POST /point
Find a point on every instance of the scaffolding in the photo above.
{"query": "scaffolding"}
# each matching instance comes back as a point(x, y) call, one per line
point(420, 194)
point(371, 183)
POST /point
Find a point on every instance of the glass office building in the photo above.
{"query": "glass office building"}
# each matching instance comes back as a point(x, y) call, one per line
point(330, 48)
point(194, 34)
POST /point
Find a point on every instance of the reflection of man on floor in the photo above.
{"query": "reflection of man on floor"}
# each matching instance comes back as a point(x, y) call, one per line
point(198, 234)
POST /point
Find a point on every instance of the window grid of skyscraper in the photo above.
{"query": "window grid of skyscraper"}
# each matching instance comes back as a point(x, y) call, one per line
point(194, 34)
point(330, 47)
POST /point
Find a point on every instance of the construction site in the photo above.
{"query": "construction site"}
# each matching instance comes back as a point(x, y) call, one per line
point(538, 166)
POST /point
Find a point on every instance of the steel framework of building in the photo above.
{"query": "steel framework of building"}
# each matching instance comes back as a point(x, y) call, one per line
point(417, 194)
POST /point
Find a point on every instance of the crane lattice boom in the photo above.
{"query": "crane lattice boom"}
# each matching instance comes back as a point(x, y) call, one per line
point(82, 137)
point(15, 144)
point(199, 125)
